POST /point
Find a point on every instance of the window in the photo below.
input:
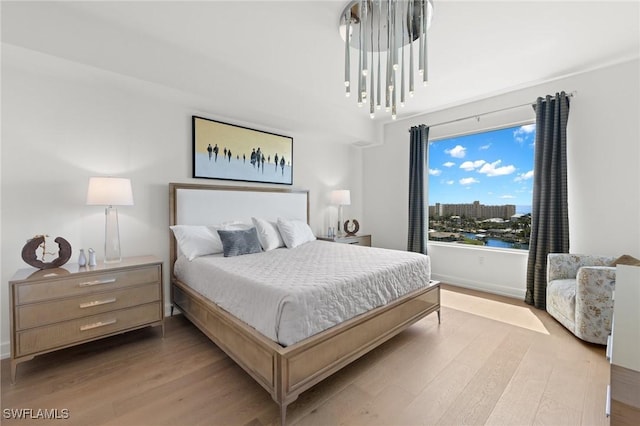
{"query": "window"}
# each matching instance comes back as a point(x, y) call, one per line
point(480, 188)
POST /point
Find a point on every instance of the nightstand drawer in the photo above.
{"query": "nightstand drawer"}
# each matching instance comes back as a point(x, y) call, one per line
point(65, 333)
point(357, 240)
point(85, 284)
point(37, 314)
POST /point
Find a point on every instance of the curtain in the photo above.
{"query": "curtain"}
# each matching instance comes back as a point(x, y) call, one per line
point(418, 164)
point(549, 217)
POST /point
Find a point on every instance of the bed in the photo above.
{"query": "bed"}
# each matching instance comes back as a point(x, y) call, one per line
point(288, 361)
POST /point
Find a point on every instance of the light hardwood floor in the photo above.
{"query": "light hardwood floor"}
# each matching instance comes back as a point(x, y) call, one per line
point(492, 360)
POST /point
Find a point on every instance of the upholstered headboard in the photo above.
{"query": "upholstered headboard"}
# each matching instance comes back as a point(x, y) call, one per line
point(196, 204)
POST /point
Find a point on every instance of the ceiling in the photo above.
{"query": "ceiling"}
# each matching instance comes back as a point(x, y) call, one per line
point(279, 65)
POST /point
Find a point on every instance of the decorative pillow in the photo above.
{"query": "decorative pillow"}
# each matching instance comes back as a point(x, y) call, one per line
point(196, 240)
point(295, 232)
point(625, 259)
point(268, 234)
point(238, 242)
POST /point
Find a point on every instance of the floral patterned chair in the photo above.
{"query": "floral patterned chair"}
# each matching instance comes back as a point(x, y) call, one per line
point(579, 294)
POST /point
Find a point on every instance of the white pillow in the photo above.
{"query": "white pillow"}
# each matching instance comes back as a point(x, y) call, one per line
point(295, 232)
point(268, 234)
point(196, 240)
point(200, 240)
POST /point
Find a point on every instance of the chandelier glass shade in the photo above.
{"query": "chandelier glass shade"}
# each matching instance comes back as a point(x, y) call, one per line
point(379, 31)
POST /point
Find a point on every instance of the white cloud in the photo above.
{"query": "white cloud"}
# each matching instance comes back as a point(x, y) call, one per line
point(457, 152)
point(471, 165)
point(524, 176)
point(491, 169)
point(529, 128)
point(450, 182)
point(435, 172)
point(468, 181)
point(524, 132)
point(507, 196)
point(485, 147)
point(449, 164)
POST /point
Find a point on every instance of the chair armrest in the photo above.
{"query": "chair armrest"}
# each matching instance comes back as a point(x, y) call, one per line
point(594, 303)
point(562, 266)
point(593, 280)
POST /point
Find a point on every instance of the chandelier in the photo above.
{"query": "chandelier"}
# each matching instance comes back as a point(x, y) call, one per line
point(379, 31)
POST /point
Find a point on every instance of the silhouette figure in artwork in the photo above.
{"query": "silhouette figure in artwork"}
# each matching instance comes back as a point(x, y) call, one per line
point(215, 152)
point(238, 157)
point(253, 158)
point(275, 159)
point(258, 157)
point(244, 158)
point(268, 159)
point(262, 161)
point(229, 155)
point(282, 165)
point(225, 151)
point(210, 151)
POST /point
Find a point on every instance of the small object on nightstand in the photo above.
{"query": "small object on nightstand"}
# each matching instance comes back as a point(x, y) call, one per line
point(92, 257)
point(30, 252)
point(350, 229)
point(82, 259)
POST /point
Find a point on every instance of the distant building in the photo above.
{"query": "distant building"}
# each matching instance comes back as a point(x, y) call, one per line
point(516, 217)
point(475, 210)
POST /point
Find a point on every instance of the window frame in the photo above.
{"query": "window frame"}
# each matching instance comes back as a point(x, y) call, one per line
point(462, 133)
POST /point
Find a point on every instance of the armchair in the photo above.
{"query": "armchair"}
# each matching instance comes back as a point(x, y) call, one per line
point(579, 294)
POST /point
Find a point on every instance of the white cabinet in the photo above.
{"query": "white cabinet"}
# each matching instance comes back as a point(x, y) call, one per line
point(624, 349)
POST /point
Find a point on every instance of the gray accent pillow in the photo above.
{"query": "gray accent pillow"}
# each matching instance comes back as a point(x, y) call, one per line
point(237, 242)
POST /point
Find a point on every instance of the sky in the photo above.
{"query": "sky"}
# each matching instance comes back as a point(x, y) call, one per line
point(493, 167)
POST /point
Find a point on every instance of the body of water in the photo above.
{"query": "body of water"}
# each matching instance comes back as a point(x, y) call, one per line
point(495, 242)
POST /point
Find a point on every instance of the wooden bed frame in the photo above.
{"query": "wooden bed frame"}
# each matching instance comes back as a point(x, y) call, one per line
point(286, 372)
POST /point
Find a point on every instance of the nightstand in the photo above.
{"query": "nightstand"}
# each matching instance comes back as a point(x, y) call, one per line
point(358, 240)
point(51, 309)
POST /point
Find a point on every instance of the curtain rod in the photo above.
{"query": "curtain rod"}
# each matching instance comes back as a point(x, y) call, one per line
point(477, 116)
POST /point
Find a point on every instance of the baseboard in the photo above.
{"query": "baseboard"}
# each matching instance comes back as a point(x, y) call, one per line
point(5, 350)
point(480, 286)
point(167, 309)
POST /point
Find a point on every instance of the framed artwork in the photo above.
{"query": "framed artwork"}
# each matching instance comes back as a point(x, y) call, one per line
point(230, 152)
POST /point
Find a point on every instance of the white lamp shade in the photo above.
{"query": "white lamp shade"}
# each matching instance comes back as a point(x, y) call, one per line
point(109, 191)
point(341, 197)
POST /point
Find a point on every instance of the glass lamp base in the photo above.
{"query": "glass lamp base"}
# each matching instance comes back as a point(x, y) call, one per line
point(111, 236)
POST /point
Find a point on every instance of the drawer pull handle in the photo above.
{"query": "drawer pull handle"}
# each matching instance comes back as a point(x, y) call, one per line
point(97, 282)
point(97, 324)
point(97, 303)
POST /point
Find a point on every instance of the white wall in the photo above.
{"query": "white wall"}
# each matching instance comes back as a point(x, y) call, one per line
point(63, 122)
point(603, 176)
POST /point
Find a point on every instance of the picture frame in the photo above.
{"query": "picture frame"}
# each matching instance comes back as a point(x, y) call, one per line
point(231, 152)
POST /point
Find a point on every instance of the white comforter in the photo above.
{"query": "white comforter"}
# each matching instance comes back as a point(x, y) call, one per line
point(291, 294)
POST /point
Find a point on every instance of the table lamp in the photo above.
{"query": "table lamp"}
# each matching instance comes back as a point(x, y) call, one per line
point(110, 192)
point(340, 197)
